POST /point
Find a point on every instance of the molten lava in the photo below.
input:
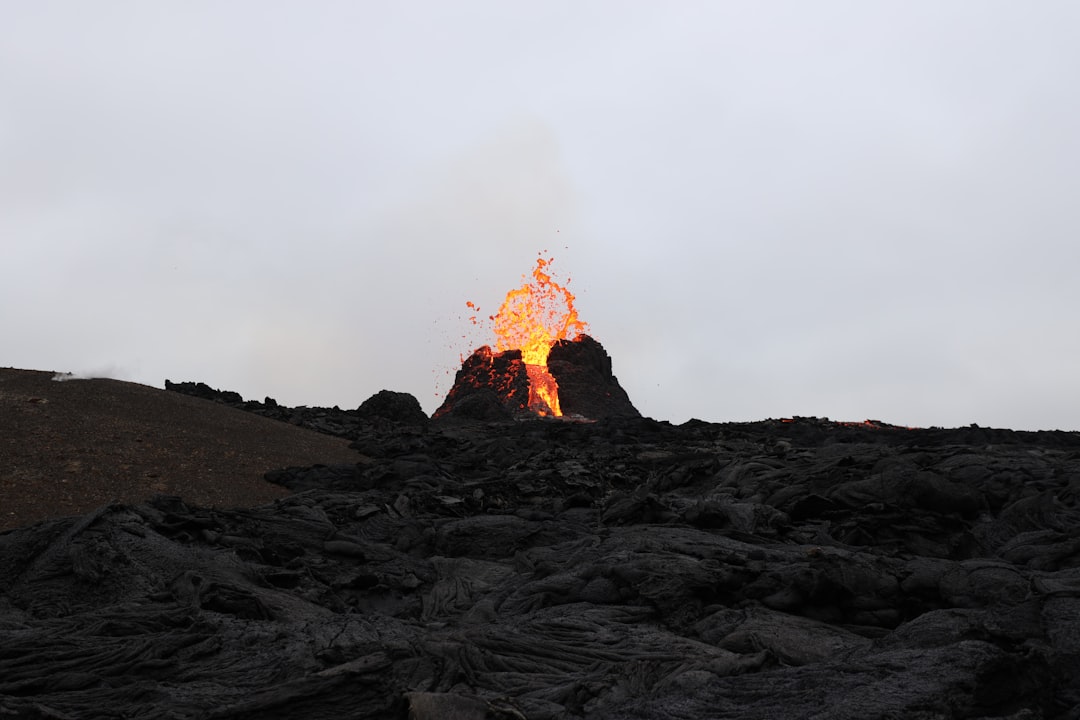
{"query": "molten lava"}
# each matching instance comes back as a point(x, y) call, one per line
point(531, 319)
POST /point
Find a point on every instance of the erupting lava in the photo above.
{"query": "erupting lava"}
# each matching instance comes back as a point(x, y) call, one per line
point(531, 319)
point(543, 362)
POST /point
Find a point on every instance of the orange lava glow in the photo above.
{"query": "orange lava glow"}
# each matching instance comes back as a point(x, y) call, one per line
point(543, 391)
point(531, 319)
point(871, 424)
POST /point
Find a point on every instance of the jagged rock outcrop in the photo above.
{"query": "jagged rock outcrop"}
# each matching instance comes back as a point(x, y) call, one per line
point(587, 387)
point(488, 386)
point(397, 407)
point(620, 569)
point(205, 392)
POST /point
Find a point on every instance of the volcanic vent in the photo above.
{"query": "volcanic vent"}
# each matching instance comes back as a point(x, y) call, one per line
point(543, 363)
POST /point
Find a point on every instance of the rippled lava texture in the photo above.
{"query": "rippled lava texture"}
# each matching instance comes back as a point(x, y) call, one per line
point(540, 568)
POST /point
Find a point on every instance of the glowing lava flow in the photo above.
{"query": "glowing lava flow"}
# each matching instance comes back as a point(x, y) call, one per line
point(531, 319)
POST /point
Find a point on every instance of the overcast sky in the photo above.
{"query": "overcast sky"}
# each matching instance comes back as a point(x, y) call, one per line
point(843, 209)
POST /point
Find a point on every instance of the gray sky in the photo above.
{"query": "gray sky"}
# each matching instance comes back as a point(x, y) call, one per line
point(844, 209)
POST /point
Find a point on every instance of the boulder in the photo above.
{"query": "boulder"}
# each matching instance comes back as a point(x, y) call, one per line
point(398, 407)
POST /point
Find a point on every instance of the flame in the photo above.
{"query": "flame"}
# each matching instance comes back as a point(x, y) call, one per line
point(531, 319)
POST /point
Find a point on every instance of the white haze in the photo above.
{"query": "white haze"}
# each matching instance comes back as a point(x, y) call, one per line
point(844, 209)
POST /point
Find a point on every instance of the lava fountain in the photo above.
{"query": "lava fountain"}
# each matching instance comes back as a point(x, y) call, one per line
point(531, 319)
point(535, 323)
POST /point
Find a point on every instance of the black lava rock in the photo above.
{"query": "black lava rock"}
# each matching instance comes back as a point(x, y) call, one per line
point(396, 406)
point(587, 387)
point(623, 568)
point(486, 375)
point(205, 392)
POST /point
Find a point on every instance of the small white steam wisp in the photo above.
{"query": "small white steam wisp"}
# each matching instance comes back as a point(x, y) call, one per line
point(108, 372)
